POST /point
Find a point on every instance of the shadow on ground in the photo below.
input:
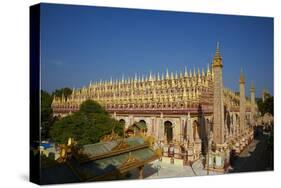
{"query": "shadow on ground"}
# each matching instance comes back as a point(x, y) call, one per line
point(258, 156)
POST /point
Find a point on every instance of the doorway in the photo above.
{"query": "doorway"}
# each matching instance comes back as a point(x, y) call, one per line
point(168, 131)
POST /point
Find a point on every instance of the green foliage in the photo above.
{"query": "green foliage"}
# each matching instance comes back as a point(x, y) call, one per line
point(63, 91)
point(86, 126)
point(90, 106)
point(46, 101)
point(267, 106)
point(46, 113)
point(47, 119)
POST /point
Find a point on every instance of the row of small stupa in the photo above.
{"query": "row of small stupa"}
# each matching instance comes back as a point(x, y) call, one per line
point(182, 80)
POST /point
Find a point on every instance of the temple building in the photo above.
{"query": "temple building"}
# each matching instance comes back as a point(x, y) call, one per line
point(187, 112)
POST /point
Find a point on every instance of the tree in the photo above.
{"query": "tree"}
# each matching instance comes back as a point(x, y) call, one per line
point(90, 106)
point(46, 113)
point(86, 126)
point(63, 91)
point(267, 106)
point(47, 118)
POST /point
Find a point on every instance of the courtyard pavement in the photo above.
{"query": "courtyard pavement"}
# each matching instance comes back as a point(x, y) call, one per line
point(167, 170)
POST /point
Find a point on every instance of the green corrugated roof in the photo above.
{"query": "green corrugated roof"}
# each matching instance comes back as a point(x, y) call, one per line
point(74, 170)
point(93, 150)
point(99, 148)
point(107, 165)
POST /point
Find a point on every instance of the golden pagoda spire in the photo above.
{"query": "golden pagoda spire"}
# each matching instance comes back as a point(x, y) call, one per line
point(167, 74)
point(122, 78)
point(147, 78)
point(150, 76)
point(242, 78)
point(194, 72)
point(252, 86)
point(185, 72)
point(203, 72)
point(136, 77)
point(217, 60)
point(208, 70)
point(199, 76)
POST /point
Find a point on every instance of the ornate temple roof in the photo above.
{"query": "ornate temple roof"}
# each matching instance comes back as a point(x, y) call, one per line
point(102, 160)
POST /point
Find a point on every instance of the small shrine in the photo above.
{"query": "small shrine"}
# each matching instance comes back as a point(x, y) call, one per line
point(110, 159)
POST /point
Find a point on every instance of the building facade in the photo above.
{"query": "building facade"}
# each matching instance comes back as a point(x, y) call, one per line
point(185, 109)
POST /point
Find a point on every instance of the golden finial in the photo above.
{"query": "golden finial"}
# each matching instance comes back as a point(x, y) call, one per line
point(185, 72)
point(150, 76)
point(252, 86)
point(172, 75)
point(203, 72)
point(217, 61)
point(242, 79)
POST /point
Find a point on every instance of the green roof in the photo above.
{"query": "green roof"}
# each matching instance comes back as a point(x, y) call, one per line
point(92, 150)
point(104, 163)
point(104, 166)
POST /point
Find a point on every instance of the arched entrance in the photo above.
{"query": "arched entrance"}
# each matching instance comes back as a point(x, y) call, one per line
point(142, 126)
point(142, 121)
point(122, 121)
point(168, 131)
point(196, 131)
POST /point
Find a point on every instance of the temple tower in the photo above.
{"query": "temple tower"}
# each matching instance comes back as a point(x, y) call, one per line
point(253, 103)
point(218, 134)
point(242, 103)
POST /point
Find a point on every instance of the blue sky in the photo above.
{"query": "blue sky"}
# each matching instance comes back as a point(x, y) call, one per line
point(84, 43)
